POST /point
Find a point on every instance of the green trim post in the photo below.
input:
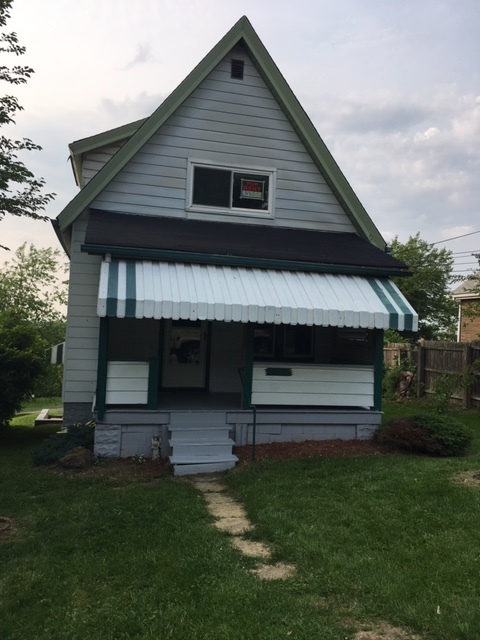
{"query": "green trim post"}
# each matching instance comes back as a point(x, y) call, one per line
point(168, 255)
point(248, 371)
point(102, 368)
point(152, 383)
point(378, 373)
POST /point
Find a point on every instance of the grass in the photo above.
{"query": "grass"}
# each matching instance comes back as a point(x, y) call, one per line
point(37, 404)
point(374, 538)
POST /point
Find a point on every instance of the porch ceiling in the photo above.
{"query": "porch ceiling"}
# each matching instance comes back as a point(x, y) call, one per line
point(145, 289)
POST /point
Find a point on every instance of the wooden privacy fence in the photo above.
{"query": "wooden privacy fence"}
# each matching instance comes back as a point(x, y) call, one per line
point(432, 359)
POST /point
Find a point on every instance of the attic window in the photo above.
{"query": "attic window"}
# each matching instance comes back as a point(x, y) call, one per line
point(228, 189)
point(236, 69)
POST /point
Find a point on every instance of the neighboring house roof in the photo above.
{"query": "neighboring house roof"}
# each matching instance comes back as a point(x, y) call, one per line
point(139, 236)
point(470, 289)
point(139, 134)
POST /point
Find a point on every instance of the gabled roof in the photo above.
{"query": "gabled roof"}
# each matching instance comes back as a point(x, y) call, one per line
point(241, 33)
point(468, 289)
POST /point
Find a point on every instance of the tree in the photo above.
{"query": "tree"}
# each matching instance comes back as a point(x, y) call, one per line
point(31, 289)
point(21, 194)
point(30, 283)
point(21, 362)
point(428, 289)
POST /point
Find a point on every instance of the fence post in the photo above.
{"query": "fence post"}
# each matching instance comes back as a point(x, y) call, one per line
point(467, 388)
point(421, 371)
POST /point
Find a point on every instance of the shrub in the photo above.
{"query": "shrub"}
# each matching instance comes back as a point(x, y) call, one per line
point(433, 435)
point(55, 447)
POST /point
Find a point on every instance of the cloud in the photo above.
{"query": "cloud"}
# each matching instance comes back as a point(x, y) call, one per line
point(413, 160)
point(144, 54)
point(133, 108)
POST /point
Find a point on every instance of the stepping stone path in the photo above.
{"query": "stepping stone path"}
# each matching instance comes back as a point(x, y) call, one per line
point(231, 518)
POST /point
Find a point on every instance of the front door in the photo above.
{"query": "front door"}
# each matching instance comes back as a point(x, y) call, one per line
point(185, 349)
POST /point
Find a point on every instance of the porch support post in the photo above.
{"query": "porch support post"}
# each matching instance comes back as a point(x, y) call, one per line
point(248, 371)
point(152, 383)
point(102, 367)
point(378, 371)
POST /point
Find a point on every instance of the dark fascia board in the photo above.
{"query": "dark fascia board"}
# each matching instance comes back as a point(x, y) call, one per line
point(236, 261)
point(242, 32)
point(85, 145)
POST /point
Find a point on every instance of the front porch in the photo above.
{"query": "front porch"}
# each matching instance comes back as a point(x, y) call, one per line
point(125, 432)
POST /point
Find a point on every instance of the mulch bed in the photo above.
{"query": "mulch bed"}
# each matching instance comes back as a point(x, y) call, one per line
point(312, 448)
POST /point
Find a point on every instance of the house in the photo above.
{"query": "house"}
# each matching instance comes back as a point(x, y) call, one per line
point(226, 283)
point(468, 299)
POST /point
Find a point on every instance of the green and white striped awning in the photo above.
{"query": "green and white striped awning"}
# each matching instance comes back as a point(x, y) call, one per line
point(146, 289)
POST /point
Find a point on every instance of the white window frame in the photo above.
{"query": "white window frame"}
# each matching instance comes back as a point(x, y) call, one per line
point(236, 211)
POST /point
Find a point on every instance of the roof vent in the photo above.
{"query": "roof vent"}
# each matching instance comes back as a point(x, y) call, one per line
point(236, 69)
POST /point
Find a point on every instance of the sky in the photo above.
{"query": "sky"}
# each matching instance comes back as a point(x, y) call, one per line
point(392, 87)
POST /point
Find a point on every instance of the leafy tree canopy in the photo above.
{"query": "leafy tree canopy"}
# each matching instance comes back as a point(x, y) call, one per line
point(21, 194)
point(31, 284)
point(22, 360)
point(428, 289)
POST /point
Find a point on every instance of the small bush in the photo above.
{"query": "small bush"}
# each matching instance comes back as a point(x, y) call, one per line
point(55, 447)
point(433, 435)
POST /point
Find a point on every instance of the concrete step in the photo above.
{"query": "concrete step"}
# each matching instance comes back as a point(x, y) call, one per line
point(193, 434)
point(192, 447)
point(189, 465)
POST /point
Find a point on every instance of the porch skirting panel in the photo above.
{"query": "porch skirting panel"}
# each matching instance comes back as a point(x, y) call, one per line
point(129, 432)
point(178, 291)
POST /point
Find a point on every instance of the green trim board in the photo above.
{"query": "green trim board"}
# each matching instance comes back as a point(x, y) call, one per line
point(234, 261)
point(378, 371)
point(242, 32)
point(102, 368)
point(153, 372)
point(247, 380)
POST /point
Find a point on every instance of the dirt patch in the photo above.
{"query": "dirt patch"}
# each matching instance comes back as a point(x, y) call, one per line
point(235, 526)
point(6, 527)
point(468, 478)
point(221, 505)
point(379, 631)
point(312, 448)
point(279, 571)
point(250, 548)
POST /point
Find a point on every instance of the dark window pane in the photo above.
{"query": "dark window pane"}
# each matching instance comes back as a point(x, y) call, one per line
point(250, 191)
point(264, 341)
point(211, 187)
point(298, 341)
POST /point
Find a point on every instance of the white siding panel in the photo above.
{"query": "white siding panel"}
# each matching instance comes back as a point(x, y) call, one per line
point(127, 383)
point(234, 122)
point(313, 385)
point(81, 348)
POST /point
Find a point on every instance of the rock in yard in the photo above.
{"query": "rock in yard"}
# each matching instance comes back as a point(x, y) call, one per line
point(78, 458)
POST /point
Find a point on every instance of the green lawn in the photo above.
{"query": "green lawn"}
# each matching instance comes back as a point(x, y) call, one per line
point(387, 538)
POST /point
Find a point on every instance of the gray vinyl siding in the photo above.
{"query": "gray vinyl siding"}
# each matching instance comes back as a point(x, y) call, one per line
point(226, 121)
point(81, 351)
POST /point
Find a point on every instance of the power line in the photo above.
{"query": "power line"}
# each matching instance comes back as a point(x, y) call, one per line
point(456, 237)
